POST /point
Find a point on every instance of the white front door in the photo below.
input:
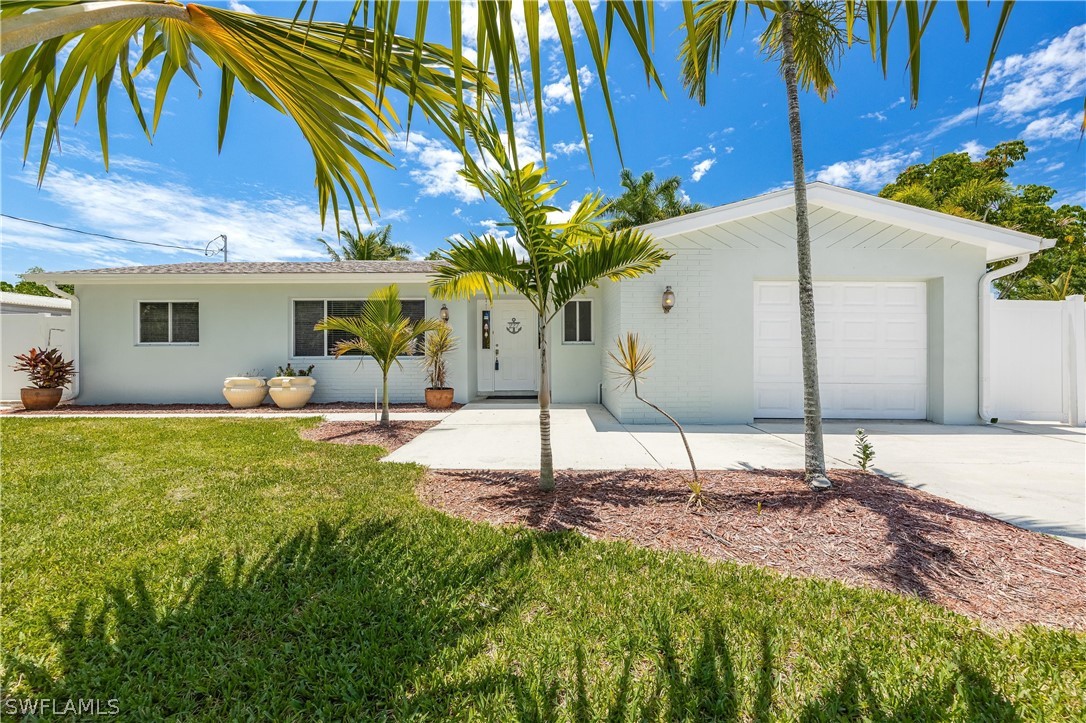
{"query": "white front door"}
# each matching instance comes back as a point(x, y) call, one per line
point(515, 342)
point(872, 349)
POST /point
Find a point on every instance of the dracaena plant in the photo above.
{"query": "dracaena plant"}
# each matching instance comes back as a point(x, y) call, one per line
point(46, 368)
point(438, 344)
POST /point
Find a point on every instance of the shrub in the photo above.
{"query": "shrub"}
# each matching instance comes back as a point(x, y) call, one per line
point(865, 452)
point(289, 371)
point(47, 369)
point(438, 343)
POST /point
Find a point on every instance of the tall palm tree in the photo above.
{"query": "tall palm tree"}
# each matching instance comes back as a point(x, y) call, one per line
point(382, 332)
point(643, 200)
point(563, 259)
point(373, 245)
point(808, 39)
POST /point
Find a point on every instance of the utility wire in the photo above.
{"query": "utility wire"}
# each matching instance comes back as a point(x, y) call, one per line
point(102, 235)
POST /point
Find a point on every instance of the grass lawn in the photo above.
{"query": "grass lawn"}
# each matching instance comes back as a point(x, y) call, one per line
point(226, 569)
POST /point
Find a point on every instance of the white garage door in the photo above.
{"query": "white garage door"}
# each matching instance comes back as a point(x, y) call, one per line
point(872, 349)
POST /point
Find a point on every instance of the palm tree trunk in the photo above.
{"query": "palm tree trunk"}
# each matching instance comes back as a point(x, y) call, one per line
point(385, 420)
point(32, 28)
point(814, 465)
point(696, 488)
point(546, 459)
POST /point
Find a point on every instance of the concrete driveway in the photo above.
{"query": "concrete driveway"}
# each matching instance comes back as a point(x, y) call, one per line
point(1032, 475)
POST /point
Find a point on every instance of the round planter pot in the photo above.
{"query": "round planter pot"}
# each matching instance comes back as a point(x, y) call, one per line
point(439, 398)
point(244, 392)
point(37, 400)
point(291, 392)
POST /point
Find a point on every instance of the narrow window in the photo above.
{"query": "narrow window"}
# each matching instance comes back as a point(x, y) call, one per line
point(307, 341)
point(169, 322)
point(577, 324)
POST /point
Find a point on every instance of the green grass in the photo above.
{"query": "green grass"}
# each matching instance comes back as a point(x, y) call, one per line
point(226, 569)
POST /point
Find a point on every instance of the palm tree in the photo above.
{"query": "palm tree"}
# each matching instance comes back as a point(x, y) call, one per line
point(644, 201)
point(808, 39)
point(382, 332)
point(373, 245)
point(563, 258)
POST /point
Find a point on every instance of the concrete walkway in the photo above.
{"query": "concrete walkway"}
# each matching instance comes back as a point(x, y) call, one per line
point(1031, 475)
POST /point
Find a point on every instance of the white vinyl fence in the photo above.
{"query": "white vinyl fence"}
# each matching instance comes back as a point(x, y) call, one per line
point(19, 332)
point(1038, 360)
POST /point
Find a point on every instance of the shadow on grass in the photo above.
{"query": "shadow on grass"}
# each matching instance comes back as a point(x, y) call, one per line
point(383, 621)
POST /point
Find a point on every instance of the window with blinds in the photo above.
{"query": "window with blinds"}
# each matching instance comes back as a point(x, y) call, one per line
point(307, 313)
point(169, 322)
point(577, 324)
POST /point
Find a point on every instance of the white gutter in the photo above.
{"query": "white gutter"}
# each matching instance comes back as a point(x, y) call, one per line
point(75, 333)
point(984, 299)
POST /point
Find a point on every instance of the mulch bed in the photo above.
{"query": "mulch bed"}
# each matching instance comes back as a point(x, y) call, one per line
point(866, 531)
point(400, 433)
point(221, 408)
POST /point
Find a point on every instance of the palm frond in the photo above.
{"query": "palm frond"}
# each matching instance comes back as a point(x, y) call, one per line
point(632, 362)
point(613, 256)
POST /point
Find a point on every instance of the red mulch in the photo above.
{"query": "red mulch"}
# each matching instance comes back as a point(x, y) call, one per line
point(866, 531)
point(221, 408)
point(400, 433)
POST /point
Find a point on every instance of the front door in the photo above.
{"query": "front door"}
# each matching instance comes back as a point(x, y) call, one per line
point(515, 341)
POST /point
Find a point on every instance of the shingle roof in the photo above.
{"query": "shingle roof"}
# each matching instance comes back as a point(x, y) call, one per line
point(273, 267)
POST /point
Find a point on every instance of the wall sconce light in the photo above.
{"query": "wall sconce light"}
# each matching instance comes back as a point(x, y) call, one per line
point(668, 301)
point(444, 313)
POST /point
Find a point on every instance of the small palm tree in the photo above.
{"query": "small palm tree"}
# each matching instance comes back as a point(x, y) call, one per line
point(562, 259)
point(382, 332)
point(373, 245)
point(633, 361)
point(438, 345)
point(643, 200)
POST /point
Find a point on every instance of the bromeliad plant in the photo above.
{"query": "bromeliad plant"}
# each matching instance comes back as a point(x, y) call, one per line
point(46, 368)
point(437, 345)
point(561, 258)
point(632, 362)
point(289, 371)
point(382, 332)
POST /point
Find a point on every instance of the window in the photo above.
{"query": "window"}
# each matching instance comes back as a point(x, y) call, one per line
point(577, 327)
point(169, 322)
point(307, 313)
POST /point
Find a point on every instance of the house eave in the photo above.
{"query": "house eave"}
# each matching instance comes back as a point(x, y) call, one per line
point(98, 279)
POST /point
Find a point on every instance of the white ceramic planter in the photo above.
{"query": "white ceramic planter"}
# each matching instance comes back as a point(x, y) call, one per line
point(291, 392)
point(244, 392)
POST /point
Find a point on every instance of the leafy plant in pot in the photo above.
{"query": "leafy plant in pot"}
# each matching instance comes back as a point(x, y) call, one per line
point(437, 345)
point(292, 388)
point(49, 373)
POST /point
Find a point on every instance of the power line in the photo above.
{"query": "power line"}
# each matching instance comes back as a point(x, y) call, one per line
point(102, 235)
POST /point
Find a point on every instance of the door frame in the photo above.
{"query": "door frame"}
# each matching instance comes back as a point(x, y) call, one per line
point(503, 304)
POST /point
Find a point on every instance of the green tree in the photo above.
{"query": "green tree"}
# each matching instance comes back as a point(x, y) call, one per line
point(33, 288)
point(956, 184)
point(382, 332)
point(644, 200)
point(563, 258)
point(373, 245)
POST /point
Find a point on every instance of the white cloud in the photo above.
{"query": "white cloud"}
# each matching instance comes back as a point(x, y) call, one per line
point(729, 149)
point(239, 7)
point(694, 153)
point(560, 92)
point(268, 228)
point(874, 115)
point(1065, 126)
point(866, 173)
point(1054, 167)
point(899, 101)
point(701, 168)
point(1041, 79)
point(561, 148)
point(974, 149)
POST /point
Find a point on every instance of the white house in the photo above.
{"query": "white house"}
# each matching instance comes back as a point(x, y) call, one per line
point(900, 293)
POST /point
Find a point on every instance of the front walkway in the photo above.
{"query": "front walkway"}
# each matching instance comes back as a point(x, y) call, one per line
point(1031, 475)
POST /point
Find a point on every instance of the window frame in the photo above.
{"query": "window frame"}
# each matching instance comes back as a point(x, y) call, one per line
point(169, 322)
point(591, 322)
point(327, 356)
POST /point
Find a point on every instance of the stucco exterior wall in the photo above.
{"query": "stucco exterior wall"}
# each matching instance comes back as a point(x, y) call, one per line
point(242, 327)
point(704, 347)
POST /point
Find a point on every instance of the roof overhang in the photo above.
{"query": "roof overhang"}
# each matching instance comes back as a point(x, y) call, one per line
point(999, 243)
point(95, 279)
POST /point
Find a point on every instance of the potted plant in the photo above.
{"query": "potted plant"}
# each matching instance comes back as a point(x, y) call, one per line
point(49, 373)
point(437, 344)
point(292, 388)
point(246, 390)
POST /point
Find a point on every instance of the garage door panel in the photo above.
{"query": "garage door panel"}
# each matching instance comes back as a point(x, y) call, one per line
point(872, 350)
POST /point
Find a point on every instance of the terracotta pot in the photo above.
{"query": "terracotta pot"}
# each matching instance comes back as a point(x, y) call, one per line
point(244, 392)
point(439, 398)
point(291, 392)
point(36, 400)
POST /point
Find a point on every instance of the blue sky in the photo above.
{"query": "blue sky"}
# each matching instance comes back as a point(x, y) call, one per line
point(260, 192)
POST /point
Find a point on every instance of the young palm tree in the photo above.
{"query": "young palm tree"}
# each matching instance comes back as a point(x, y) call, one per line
point(373, 245)
point(382, 332)
point(645, 201)
point(563, 258)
